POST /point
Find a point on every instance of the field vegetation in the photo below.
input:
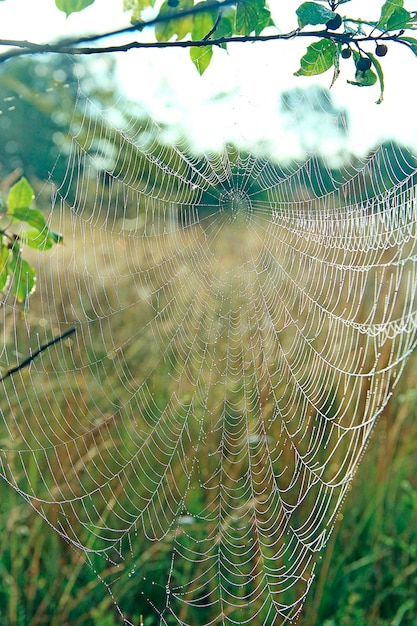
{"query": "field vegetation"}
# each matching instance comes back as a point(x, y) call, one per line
point(368, 574)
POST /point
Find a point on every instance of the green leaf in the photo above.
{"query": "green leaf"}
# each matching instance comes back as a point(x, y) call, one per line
point(202, 24)
point(42, 238)
point(368, 78)
point(133, 5)
point(23, 274)
point(364, 79)
point(4, 262)
point(336, 63)
point(201, 57)
point(33, 217)
point(399, 19)
point(72, 6)
point(380, 74)
point(387, 10)
point(37, 240)
point(20, 196)
point(56, 237)
point(320, 57)
point(264, 20)
point(225, 27)
point(137, 6)
point(312, 13)
point(252, 16)
point(179, 28)
point(412, 43)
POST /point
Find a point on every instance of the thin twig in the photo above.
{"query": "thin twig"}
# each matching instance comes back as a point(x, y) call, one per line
point(30, 358)
point(214, 28)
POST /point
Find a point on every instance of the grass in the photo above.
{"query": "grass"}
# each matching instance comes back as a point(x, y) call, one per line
point(368, 574)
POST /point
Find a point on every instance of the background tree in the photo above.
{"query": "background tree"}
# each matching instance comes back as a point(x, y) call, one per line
point(37, 96)
point(319, 124)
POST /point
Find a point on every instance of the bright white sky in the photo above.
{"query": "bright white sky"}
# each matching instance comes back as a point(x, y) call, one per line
point(255, 75)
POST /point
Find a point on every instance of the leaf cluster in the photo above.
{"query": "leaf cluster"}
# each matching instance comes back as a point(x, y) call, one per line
point(36, 234)
point(351, 38)
point(181, 19)
point(248, 16)
point(201, 24)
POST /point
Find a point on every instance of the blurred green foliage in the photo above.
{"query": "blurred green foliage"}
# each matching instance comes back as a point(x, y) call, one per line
point(368, 573)
point(37, 98)
point(18, 215)
point(35, 112)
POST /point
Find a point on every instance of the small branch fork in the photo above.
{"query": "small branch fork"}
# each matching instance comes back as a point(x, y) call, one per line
point(72, 46)
point(33, 356)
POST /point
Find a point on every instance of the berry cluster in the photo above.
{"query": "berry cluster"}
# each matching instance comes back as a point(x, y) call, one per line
point(363, 63)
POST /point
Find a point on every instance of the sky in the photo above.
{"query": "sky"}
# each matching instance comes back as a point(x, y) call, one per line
point(238, 96)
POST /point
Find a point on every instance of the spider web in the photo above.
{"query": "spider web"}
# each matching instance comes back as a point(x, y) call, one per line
point(240, 327)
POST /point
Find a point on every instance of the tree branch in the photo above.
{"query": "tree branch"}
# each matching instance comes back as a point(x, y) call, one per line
point(28, 360)
point(26, 47)
point(70, 45)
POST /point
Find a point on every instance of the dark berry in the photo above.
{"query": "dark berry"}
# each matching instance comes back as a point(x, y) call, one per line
point(363, 64)
point(334, 23)
point(381, 50)
point(173, 3)
point(346, 53)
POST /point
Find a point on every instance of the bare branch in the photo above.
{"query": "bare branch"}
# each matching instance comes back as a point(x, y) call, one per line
point(28, 360)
